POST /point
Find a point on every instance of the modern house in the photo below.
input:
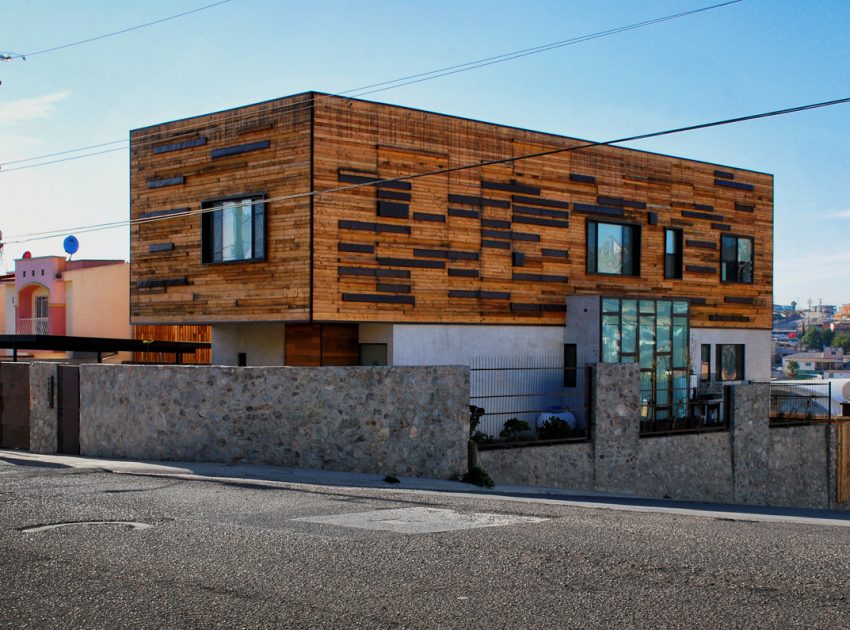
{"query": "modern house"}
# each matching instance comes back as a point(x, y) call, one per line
point(321, 230)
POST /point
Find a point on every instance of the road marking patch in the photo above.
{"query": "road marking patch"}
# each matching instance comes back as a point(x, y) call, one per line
point(43, 528)
point(419, 520)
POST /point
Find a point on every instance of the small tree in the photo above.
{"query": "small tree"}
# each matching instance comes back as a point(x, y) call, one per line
point(792, 368)
point(842, 340)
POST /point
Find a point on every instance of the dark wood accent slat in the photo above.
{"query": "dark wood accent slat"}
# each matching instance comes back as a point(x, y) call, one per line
point(582, 179)
point(512, 187)
point(479, 201)
point(539, 308)
point(163, 282)
point(445, 253)
point(464, 273)
point(393, 210)
point(467, 214)
point(556, 253)
point(521, 218)
point(587, 208)
point(479, 294)
point(620, 203)
point(738, 185)
point(428, 216)
point(352, 178)
point(728, 318)
point(378, 299)
point(345, 224)
point(160, 247)
point(406, 262)
point(701, 244)
point(537, 201)
point(736, 299)
point(394, 194)
point(652, 218)
point(723, 227)
point(357, 247)
point(393, 288)
point(700, 269)
point(240, 149)
point(496, 244)
point(373, 273)
point(518, 259)
point(702, 215)
point(704, 207)
point(724, 174)
point(742, 207)
point(179, 146)
point(540, 277)
point(495, 223)
point(162, 213)
point(166, 181)
point(542, 212)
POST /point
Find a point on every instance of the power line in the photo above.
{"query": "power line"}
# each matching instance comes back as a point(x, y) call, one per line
point(155, 137)
point(24, 238)
point(114, 33)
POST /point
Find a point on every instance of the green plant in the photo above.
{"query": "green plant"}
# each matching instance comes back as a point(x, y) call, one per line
point(515, 429)
point(479, 477)
point(554, 428)
point(481, 438)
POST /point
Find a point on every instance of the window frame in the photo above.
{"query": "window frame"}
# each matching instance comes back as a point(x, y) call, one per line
point(677, 258)
point(213, 207)
point(740, 362)
point(592, 256)
point(736, 262)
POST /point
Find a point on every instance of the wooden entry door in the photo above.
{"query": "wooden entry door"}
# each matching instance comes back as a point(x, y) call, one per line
point(310, 345)
point(15, 405)
point(69, 409)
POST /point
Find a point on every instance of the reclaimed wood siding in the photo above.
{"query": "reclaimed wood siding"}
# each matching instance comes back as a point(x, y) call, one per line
point(173, 333)
point(506, 243)
point(263, 148)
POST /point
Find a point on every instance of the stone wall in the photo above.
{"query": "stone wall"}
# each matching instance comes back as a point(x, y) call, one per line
point(751, 463)
point(44, 396)
point(398, 420)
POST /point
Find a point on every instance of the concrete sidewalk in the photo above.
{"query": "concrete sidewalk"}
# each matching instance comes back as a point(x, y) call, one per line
point(293, 477)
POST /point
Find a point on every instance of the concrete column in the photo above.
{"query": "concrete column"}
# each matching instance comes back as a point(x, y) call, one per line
point(44, 428)
point(750, 406)
point(615, 426)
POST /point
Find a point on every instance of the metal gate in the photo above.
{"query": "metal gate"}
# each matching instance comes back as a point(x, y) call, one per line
point(69, 409)
point(15, 405)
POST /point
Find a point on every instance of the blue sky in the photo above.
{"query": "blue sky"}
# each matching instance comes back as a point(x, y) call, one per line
point(753, 56)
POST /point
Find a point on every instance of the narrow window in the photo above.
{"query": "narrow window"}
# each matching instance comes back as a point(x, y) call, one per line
point(570, 365)
point(672, 253)
point(705, 362)
point(233, 230)
point(613, 249)
point(730, 362)
point(736, 259)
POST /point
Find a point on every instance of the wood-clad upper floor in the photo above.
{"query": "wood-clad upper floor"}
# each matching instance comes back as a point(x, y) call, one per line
point(446, 239)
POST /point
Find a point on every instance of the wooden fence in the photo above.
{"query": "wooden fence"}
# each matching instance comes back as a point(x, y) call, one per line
point(842, 462)
point(173, 333)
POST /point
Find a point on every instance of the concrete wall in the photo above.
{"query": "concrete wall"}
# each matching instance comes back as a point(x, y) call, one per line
point(757, 354)
point(403, 421)
point(751, 463)
point(262, 343)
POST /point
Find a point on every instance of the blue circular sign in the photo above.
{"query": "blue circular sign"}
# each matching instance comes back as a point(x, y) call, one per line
point(71, 245)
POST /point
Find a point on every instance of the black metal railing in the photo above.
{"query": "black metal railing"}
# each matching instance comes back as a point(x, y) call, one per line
point(800, 402)
point(683, 410)
point(529, 401)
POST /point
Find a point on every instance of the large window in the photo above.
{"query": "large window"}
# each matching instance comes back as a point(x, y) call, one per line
point(736, 259)
point(234, 229)
point(613, 249)
point(730, 362)
point(655, 334)
point(672, 253)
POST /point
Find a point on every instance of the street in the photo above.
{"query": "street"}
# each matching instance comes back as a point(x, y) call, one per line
point(136, 550)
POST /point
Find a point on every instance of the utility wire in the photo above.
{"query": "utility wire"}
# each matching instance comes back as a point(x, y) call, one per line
point(24, 238)
point(24, 56)
point(156, 137)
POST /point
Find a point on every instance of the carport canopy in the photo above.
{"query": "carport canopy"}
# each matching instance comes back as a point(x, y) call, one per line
point(99, 345)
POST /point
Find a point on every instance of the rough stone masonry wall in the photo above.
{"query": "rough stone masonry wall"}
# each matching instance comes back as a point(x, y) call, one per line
point(749, 464)
point(397, 420)
point(44, 426)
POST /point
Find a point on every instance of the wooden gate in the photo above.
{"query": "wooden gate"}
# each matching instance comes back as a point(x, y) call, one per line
point(842, 462)
point(69, 409)
point(15, 405)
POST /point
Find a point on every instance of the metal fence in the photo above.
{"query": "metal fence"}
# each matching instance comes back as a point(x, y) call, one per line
point(529, 400)
point(696, 409)
point(800, 402)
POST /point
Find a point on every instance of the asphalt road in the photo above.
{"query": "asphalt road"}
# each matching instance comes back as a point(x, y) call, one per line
point(220, 553)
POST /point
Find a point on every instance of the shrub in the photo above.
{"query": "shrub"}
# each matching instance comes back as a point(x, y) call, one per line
point(554, 429)
point(479, 477)
point(515, 430)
